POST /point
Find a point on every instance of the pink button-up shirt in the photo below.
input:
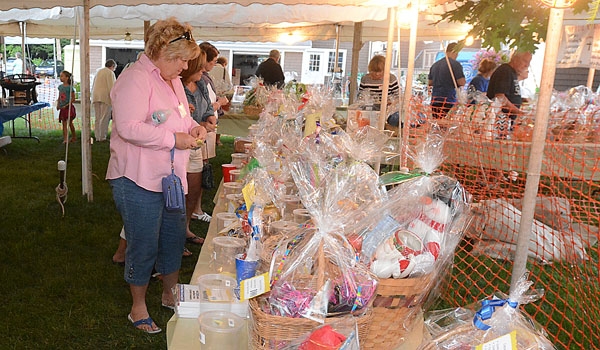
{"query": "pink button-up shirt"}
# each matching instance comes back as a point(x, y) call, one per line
point(140, 146)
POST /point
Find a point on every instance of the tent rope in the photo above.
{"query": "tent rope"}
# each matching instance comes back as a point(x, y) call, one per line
point(62, 189)
point(61, 196)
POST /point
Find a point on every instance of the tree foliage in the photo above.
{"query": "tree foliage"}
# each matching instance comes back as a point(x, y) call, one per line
point(510, 23)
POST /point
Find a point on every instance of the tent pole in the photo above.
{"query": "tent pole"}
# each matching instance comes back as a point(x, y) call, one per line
point(386, 75)
point(412, 49)
point(356, 47)
point(388, 64)
point(590, 80)
point(146, 26)
point(84, 58)
point(537, 144)
point(23, 54)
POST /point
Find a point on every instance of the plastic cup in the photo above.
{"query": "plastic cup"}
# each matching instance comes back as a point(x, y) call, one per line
point(224, 251)
point(244, 268)
point(238, 159)
point(225, 219)
point(221, 330)
point(232, 188)
point(235, 175)
point(226, 169)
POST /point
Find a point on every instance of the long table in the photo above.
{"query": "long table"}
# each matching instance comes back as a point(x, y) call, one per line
point(14, 112)
point(236, 124)
point(183, 333)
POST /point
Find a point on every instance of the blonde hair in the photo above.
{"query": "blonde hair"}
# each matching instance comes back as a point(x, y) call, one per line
point(194, 66)
point(377, 64)
point(162, 40)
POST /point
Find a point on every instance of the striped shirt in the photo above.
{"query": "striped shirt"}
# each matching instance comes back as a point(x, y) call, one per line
point(374, 85)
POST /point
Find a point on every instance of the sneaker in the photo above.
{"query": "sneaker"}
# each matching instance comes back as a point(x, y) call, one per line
point(203, 217)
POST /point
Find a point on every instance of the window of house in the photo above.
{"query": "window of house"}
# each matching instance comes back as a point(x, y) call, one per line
point(331, 60)
point(314, 62)
point(429, 58)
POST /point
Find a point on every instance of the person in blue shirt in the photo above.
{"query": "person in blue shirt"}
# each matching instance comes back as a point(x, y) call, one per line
point(481, 81)
point(444, 83)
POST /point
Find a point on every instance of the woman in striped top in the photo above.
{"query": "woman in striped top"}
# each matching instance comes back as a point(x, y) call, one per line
point(372, 83)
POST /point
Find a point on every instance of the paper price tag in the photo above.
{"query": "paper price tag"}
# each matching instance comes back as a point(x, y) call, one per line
point(505, 342)
point(202, 338)
point(231, 322)
point(254, 286)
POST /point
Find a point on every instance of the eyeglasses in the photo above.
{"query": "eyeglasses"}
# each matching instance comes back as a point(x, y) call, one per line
point(186, 36)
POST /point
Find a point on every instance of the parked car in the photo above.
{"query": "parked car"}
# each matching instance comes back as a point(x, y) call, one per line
point(46, 68)
point(10, 63)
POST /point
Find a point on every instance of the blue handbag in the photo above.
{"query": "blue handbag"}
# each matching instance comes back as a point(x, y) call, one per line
point(173, 190)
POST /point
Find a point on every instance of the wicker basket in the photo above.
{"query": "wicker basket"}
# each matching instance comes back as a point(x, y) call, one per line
point(253, 110)
point(397, 304)
point(270, 332)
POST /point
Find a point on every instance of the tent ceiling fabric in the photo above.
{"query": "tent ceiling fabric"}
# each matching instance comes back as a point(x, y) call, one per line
point(233, 22)
point(46, 4)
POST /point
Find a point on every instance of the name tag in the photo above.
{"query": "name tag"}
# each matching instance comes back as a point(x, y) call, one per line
point(182, 110)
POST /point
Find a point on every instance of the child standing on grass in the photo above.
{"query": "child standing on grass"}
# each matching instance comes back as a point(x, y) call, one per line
point(64, 104)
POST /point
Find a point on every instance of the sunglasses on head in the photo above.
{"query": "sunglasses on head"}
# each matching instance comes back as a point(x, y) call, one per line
point(186, 36)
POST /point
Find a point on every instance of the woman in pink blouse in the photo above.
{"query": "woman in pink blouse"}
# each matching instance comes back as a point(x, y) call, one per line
point(151, 117)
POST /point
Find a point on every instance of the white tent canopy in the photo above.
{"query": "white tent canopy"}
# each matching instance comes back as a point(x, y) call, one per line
point(227, 22)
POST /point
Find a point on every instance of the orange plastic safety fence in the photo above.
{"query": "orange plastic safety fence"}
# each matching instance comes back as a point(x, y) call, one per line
point(490, 158)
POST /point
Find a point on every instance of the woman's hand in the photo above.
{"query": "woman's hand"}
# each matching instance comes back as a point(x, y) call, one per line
point(185, 141)
point(209, 127)
point(199, 132)
point(222, 100)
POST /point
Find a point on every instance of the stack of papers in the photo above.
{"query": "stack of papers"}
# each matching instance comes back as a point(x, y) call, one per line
point(187, 300)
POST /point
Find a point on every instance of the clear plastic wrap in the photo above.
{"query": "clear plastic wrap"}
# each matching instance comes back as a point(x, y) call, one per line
point(321, 275)
point(415, 230)
point(464, 328)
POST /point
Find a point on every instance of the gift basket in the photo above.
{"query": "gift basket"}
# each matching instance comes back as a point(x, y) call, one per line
point(256, 97)
point(499, 323)
point(315, 276)
point(408, 241)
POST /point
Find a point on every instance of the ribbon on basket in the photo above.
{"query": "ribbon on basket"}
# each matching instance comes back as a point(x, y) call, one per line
point(487, 309)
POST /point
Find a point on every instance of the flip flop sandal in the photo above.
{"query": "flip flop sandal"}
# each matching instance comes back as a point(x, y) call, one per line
point(204, 217)
point(146, 321)
point(187, 252)
point(195, 240)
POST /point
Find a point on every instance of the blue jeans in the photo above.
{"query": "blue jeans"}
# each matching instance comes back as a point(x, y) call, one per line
point(155, 237)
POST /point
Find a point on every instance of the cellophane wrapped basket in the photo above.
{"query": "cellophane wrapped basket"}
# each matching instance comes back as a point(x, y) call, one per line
point(269, 331)
point(315, 276)
point(501, 316)
point(409, 242)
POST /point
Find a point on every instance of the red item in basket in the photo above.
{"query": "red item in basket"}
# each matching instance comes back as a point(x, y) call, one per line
point(324, 338)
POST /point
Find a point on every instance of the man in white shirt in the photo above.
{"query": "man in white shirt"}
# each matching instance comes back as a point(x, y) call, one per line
point(103, 83)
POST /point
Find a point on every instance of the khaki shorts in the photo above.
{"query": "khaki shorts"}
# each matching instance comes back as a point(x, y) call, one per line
point(196, 163)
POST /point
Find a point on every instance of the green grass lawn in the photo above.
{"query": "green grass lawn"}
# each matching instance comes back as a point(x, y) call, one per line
point(60, 289)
